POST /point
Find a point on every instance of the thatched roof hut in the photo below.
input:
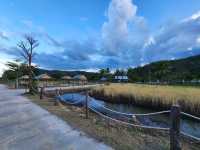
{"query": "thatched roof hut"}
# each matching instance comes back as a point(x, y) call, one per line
point(80, 77)
point(25, 77)
point(66, 78)
point(43, 77)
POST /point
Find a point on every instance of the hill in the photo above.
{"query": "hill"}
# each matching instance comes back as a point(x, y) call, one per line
point(175, 70)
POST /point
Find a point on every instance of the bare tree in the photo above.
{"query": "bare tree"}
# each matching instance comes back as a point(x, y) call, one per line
point(27, 48)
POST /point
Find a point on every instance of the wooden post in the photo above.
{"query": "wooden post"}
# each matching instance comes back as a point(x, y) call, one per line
point(61, 91)
point(57, 94)
point(41, 92)
point(175, 128)
point(86, 104)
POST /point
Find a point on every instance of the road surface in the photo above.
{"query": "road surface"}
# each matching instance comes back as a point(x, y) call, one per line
point(24, 125)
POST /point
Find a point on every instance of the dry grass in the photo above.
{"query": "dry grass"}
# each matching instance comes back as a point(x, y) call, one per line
point(115, 135)
point(154, 96)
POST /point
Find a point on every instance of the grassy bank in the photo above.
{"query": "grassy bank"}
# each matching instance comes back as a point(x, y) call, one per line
point(151, 96)
point(115, 135)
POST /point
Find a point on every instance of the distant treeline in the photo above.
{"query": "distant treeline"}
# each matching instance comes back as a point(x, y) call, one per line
point(174, 71)
point(185, 70)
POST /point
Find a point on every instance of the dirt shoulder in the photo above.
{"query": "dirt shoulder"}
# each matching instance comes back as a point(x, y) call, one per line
point(115, 135)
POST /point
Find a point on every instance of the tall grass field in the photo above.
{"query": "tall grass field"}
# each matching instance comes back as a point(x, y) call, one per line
point(151, 96)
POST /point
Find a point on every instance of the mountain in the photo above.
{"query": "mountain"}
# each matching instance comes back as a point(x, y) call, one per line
point(174, 70)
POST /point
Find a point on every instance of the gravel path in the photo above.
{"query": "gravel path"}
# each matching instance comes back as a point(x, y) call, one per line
point(24, 125)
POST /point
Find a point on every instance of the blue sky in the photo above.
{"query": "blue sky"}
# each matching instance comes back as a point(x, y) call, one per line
point(94, 34)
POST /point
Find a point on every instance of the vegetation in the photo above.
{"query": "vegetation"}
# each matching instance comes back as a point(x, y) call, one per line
point(15, 70)
point(167, 71)
point(171, 72)
point(151, 96)
point(27, 48)
point(109, 133)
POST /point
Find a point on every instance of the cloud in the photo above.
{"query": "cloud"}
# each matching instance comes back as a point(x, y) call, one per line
point(193, 17)
point(174, 40)
point(118, 47)
point(50, 40)
point(126, 41)
point(4, 35)
point(115, 31)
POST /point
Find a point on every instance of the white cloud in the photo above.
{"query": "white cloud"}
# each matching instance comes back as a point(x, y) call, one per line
point(115, 31)
point(192, 17)
point(198, 40)
point(4, 35)
point(189, 49)
point(4, 58)
point(149, 42)
point(195, 16)
point(176, 40)
point(126, 41)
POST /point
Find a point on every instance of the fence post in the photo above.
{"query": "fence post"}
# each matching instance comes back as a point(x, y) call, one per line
point(86, 104)
point(41, 92)
point(56, 100)
point(175, 128)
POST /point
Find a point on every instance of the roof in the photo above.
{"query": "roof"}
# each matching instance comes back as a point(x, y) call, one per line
point(25, 77)
point(80, 77)
point(43, 77)
point(66, 78)
point(121, 77)
point(103, 79)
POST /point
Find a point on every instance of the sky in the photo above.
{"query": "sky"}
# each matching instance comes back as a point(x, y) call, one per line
point(93, 34)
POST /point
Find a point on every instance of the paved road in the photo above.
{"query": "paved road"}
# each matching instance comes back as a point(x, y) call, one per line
point(26, 126)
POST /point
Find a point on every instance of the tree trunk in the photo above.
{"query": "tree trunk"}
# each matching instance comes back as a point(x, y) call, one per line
point(30, 77)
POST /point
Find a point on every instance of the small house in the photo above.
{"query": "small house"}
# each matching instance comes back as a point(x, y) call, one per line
point(121, 78)
point(80, 79)
point(44, 79)
point(66, 79)
point(103, 79)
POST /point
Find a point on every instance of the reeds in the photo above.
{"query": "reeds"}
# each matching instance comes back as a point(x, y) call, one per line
point(151, 96)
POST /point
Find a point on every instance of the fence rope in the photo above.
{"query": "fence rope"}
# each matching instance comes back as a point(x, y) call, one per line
point(191, 116)
point(154, 113)
point(190, 136)
point(126, 123)
point(131, 114)
point(128, 114)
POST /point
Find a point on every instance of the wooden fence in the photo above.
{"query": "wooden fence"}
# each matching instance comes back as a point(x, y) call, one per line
point(175, 117)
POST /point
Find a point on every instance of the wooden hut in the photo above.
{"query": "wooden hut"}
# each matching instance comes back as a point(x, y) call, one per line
point(80, 79)
point(44, 79)
point(66, 79)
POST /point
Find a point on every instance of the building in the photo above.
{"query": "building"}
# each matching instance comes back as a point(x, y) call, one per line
point(43, 77)
point(44, 80)
point(80, 79)
point(66, 78)
point(121, 78)
point(103, 79)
